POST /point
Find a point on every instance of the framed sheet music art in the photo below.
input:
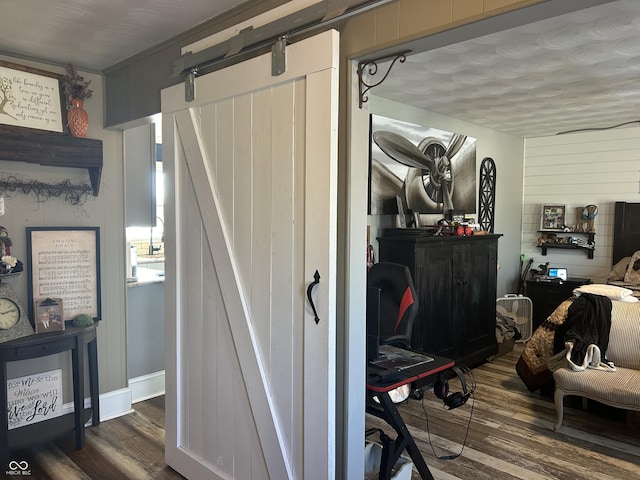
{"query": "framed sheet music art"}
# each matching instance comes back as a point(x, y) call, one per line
point(64, 263)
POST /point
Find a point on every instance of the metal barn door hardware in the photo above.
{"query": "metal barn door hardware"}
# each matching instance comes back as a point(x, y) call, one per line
point(253, 41)
point(278, 57)
point(190, 85)
point(372, 69)
point(316, 281)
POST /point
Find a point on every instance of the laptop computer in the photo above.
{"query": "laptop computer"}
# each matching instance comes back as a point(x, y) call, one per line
point(562, 273)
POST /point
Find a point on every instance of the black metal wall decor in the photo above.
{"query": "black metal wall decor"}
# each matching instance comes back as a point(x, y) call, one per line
point(487, 194)
point(371, 65)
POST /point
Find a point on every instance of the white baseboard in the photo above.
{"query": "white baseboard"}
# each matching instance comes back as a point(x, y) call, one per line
point(147, 386)
point(118, 402)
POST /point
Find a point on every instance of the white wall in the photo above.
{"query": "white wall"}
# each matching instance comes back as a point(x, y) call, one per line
point(576, 170)
point(506, 151)
point(105, 211)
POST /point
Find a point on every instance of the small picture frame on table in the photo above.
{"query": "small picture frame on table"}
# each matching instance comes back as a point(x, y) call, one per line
point(552, 218)
point(49, 315)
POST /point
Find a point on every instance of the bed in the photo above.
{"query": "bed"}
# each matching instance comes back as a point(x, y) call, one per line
point(532, 364)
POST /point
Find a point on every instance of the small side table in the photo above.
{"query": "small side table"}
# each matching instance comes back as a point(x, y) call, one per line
point(39, 345)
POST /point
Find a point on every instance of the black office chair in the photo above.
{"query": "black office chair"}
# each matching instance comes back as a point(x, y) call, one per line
point(398, 302)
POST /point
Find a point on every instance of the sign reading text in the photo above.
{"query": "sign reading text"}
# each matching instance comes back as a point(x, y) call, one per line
point(34, 398)
point(28, 99)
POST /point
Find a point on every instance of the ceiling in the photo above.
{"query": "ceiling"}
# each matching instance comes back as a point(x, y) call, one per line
point(579, 70)
point(575, 71)
point(96, 34)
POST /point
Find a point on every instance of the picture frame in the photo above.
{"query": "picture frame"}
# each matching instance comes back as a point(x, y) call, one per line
point(421, 190)
point(49, 314)
point(31, 98)
point(64, 264)
point(552, 218)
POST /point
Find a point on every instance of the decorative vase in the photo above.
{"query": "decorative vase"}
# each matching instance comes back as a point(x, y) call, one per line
point(77, 118)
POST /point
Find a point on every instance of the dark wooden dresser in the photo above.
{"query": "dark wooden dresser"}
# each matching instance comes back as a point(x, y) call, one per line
point(546, 296)
point(455, 278)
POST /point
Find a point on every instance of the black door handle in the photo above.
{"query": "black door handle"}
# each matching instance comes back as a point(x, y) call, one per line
point(316, 277)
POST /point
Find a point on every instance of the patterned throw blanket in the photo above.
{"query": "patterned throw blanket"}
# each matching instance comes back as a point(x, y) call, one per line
point(532, 364)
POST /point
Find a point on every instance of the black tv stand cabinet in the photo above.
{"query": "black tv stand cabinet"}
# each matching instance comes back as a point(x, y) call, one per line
point(456, 282)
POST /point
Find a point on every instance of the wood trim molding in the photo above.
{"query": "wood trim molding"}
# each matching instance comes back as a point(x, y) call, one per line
point(52, 149)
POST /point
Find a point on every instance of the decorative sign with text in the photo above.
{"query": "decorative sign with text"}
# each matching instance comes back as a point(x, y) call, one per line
point(64, 264)
point(34, 398)
point(30, 98)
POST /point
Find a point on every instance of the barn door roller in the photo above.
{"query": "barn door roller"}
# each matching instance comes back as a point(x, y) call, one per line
point(256, 40)
point(278, 57)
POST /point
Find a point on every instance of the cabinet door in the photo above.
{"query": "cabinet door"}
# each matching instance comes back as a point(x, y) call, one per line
point(435, 327)
point(475, 291)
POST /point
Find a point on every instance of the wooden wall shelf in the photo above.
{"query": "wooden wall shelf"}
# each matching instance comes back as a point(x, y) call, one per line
point(589, 248)
point(52, 149)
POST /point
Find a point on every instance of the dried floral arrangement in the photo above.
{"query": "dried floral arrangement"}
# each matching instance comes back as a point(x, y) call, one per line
point(75, 86)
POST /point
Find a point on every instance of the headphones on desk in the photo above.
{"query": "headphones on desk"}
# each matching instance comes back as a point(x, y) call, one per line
point(454, 399)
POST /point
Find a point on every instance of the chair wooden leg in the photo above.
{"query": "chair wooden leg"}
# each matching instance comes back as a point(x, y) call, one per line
point(558, 397)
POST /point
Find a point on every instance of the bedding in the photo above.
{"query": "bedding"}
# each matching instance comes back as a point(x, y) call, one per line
point(532, 364)
point(626, 274)
point(612, 292)
point(632, 274)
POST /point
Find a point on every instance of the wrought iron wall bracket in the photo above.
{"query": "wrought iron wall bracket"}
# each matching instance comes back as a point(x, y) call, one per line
point(371, 65)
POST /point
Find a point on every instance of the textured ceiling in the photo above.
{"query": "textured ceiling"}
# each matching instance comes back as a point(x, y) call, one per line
point(95, 34)
point(580, 70)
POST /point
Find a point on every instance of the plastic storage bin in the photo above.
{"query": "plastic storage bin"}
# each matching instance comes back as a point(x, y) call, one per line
point(372, 456)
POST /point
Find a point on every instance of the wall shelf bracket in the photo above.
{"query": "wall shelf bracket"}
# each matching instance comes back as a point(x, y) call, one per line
point(371, 65)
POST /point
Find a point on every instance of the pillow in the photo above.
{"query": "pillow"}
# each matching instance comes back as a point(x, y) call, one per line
point(611, 291)
point(619, 269)
point(633, 270)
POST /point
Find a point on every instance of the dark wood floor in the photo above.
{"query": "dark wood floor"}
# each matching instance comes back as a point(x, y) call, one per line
point(510, 437)
point(130, 447)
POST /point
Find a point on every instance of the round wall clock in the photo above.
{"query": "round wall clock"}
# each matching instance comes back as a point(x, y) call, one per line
point(9, 313)
point(13, 321)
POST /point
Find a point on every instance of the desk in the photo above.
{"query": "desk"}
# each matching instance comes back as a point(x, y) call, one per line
point(39, 345)
point(387, 411)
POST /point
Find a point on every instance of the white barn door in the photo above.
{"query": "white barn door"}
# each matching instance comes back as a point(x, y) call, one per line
point(251, 216)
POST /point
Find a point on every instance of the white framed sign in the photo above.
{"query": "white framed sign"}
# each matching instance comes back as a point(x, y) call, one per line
point(64, 263)
point(30, 98)
point(34, 398)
